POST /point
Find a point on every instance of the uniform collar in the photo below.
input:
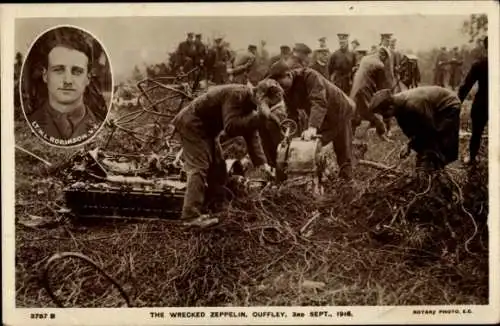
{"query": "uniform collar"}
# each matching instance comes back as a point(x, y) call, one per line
point(75, 117)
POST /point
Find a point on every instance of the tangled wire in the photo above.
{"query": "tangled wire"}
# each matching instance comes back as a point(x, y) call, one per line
point(277, 238)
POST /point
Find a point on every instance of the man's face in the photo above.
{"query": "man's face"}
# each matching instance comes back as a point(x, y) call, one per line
point(385, 42)
point(393, 45)
point(253, 51)
point(66, 75)
point(382, 55)
point(285, 81)
point(343, 44)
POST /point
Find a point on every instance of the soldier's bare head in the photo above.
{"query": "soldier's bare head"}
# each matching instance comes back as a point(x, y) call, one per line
point(269, 92)
point(67, 68)
point(281, 73)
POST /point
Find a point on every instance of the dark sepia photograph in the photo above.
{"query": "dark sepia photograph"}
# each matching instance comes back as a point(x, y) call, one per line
point(66, 86)
point(252, 161)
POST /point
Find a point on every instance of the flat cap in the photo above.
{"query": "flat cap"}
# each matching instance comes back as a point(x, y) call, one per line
point(198, 35)
point(278, 69)
point(322, 39)
point(355, 41)
point(284, 47)
point(190, 34)
point(302, 48)
point(343, 36)
point(386, 35)
point(252, 46)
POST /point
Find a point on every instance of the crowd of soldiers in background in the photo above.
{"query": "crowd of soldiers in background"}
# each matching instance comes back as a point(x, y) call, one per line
point(220, 65)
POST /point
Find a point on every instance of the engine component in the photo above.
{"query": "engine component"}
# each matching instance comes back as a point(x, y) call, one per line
point(95, 191)
point(297, 157)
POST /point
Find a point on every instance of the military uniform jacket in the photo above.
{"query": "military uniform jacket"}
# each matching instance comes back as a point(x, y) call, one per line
point(220, 56)
point(370, 77)
point(243, 63)
point(186, 50)
point(323, 102)
point(53, 124)
point(341, 64)
point(424, 112)
point(441, 61)
point(477, 73)
point(227, 108)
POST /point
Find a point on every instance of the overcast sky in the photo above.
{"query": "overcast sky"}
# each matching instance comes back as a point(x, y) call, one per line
point(133, 40)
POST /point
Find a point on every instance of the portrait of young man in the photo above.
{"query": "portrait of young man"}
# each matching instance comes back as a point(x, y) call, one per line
point(62, 99)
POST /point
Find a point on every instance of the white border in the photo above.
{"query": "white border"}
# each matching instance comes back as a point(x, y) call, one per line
point(133, 316)
point(109, 105)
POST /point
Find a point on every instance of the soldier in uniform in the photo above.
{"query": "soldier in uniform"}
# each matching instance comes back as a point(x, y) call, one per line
point(455, 68)
point(355, 45)
point(300, 57)
point(430, 117)
point(264, 54)
point(341, 64)
point(201, 51)
point(284, 54)
point(320, 61)
point(370, 77)
point(385, 42)
point(396, 55)
point(220, 58)
point(233, 110)
point(329, 110)
point(440, 67)
point(479, 110)
point(243, 64)
point(186, 53)
point(65, 107)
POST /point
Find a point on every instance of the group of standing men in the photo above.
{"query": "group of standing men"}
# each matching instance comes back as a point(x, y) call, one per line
point(333, 105)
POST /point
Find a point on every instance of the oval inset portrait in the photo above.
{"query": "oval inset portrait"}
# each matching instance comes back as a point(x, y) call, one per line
point(66, 86)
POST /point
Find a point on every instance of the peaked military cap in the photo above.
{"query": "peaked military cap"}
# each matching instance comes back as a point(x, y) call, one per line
point(355, 41)
point(362, 52)
point(322, 39)
point(284, 47)
point(302, 48)
point(343, 36)
point(252, 47)
point(385, 36)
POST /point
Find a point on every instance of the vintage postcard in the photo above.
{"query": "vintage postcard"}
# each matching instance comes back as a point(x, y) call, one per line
point(250, 163)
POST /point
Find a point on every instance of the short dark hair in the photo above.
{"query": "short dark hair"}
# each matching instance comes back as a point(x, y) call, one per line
point(67, 37)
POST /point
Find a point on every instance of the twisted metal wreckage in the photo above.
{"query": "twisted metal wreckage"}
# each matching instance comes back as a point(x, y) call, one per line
point(150, 181)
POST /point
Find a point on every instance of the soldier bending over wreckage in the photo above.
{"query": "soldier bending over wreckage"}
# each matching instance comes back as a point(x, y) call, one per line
point(430, 117)
point(329, 110)
point(235, 110)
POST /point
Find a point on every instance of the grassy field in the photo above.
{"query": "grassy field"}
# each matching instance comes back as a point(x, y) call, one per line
point(389, 239)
